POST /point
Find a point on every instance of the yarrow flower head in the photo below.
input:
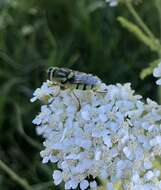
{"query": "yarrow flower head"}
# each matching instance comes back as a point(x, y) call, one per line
point(157, 73)
point(114, 136)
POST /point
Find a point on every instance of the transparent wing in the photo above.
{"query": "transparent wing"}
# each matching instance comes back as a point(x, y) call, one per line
point(84, 78)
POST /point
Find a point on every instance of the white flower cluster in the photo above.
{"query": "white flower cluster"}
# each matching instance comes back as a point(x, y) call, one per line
point(157, 73)
point(114, 136)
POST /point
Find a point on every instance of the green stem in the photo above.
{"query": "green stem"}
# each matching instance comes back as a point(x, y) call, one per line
point(21, 130)
point(158, 8)
point(159, 94)
point(134, 29)
point(143, 26)
point(139, 20)
point(22, 182)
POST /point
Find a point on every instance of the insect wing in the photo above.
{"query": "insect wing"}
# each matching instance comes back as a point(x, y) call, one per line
point(84, 78)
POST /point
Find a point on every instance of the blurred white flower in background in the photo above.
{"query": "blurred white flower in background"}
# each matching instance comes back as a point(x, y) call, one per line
point(115, 136)
point(112, 3)
point(27, 30)
point(157, 74)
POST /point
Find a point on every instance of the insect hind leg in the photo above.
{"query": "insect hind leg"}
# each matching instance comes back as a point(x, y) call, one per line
point(77, 101)
point(99, 90)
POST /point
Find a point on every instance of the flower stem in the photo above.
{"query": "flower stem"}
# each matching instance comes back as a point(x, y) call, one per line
point(139, 20)
point(143, 26)
point(158, 8)
point(22, 182)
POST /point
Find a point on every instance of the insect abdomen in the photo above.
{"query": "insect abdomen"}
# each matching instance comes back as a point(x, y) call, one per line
point(80, 86)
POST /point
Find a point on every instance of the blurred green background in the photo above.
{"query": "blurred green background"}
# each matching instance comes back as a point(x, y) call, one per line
point(80, 34)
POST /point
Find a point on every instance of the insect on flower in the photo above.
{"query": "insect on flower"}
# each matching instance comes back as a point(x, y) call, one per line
point(70, 79)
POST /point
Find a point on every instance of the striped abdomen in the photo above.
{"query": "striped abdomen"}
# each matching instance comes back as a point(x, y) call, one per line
point(78, 86)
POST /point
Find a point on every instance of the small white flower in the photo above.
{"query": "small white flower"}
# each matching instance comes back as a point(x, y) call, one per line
point(84, 184)
point(136, 178)
point(147, 165)
point(57, 176)
point(110, 186)
point(45, 159)
point(157, 74)
point(107, 141)
point(157, 173)
point(71, 184)
point(127, 153)
point(158, 140)
point(121, 164)
point(93, 185)
point(149, 175)
point(85, 115)
point(98, 155)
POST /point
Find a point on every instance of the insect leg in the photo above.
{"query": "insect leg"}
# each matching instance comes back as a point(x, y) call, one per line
point(100, 91)
point(77, 101)
point(57, 92)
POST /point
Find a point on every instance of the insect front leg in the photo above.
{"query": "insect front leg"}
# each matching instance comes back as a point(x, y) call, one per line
point(57, 92)
point(98, 89)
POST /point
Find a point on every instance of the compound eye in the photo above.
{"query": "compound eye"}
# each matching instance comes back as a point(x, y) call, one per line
point(49, 70)
point(52, 69)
